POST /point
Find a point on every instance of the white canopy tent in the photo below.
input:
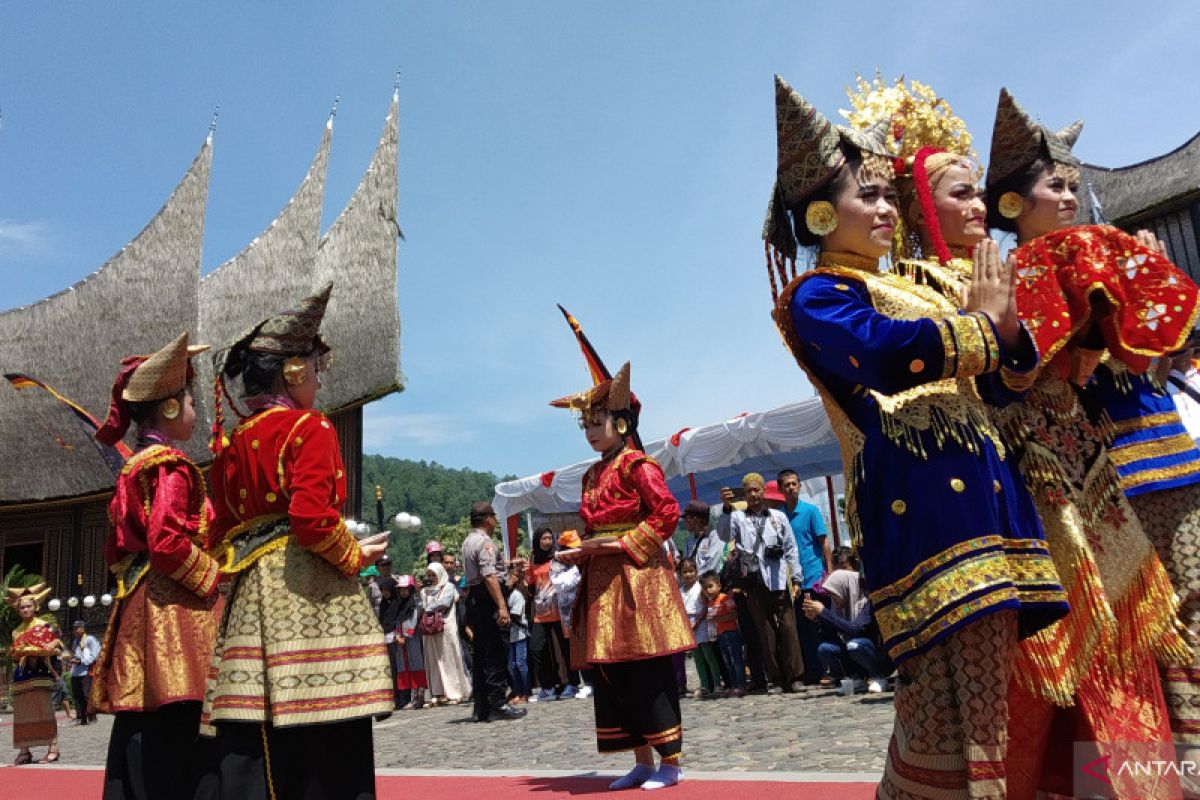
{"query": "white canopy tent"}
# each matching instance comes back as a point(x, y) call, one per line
point(699, 461)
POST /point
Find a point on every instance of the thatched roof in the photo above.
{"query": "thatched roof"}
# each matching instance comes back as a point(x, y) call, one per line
point(74, 340)
point(1130, 194)
point(151, 291)
point(270, 274)
point(358, 254)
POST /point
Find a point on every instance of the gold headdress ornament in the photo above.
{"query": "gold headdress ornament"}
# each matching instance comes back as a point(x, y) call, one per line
point(927, 138)
point(144, 379)
point(612, 394)
point(1017, 141)
point(810, 152)
point(162, 374)
point(38, 591)
point(294, 332)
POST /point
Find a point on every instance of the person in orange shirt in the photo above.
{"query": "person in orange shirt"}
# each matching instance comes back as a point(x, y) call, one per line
point(723, 629)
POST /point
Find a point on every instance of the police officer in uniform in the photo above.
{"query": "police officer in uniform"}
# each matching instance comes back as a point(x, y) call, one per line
point(487, 616)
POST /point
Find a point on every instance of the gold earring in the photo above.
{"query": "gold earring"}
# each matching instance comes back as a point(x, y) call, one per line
point(1011, 205)
point(170, 408)
point(622, 426)
point(295, 371)
point(821, 217)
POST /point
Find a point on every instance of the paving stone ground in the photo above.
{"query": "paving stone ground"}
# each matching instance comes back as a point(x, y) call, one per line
point(815, 731)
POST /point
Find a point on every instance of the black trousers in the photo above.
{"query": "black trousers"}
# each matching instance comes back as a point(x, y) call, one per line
point(637, 704)
point(809, 632)
point(334, 761)
point(489, 662)
point(81, 688)
point(153, 754)
point(753, 644)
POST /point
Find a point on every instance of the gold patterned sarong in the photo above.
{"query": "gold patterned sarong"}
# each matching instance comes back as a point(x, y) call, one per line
point(298, 645)
point(156, 649)
point(624, 612)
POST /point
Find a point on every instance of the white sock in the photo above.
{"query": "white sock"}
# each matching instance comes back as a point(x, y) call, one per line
point(667, 775)
point(635, 777)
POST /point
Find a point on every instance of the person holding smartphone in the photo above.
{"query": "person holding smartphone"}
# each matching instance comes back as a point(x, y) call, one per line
point(766, 550)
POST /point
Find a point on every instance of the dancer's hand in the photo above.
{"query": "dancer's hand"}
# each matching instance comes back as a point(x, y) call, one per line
point(993, 291)
point(372, 553)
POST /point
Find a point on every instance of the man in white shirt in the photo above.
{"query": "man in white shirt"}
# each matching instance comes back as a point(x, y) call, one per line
point(766, 552)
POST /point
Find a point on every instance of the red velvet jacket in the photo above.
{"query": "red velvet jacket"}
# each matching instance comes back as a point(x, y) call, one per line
point(160, 506)
point(280, 463)
point(630, 491)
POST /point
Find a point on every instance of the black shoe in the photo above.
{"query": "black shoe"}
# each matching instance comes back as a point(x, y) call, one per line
point(507, 712)
point(477, 717)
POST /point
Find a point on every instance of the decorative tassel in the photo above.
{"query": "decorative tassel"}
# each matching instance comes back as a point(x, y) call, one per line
point(768, 250)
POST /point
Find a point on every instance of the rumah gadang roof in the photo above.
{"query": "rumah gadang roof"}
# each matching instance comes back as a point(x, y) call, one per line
point(151, 291)
point(1132, 193)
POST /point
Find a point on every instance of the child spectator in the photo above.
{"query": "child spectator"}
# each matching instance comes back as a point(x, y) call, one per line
point(518, 634)
point(706, 650)
point(851, 616)
point(721, 622)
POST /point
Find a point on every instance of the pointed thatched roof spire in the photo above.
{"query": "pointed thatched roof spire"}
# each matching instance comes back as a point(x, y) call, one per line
point(358, 253)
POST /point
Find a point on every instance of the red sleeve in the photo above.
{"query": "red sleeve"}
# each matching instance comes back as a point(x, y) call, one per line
point(646, 477)
point(173, 521)
point(312, 475)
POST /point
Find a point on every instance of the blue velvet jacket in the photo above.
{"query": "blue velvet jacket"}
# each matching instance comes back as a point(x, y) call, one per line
point(1151, 447)
point(946, 530)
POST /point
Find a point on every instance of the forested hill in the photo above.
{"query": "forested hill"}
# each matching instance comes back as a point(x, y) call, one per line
point(438, 495)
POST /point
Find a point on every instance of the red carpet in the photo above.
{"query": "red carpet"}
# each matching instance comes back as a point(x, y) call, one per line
point(40, 782)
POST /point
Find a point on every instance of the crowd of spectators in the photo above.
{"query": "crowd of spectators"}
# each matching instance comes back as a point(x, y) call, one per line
point(775, 608)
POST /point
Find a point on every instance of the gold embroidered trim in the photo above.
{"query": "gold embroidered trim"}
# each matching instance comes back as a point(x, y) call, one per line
point(283, 448)
point(1148, 421)
point(1167, 446)
point(1162, 474)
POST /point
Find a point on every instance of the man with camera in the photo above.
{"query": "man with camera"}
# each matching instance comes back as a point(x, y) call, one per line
point(487, 616)
point(763, 555)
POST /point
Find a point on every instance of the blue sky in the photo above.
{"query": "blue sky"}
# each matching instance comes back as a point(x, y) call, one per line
point(615, 157)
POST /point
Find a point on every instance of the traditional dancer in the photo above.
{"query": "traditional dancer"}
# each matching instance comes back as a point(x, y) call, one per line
point(1158, 464)
point(300, 665)
point(159, 639)
point(628, 618)
point(1082, 289)
point(34, 642)
point(958, 567)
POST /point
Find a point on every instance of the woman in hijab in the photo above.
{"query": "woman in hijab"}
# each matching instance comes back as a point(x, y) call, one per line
point(850, 615)
point(548, 653)
point(410, 654)
point(443, 655)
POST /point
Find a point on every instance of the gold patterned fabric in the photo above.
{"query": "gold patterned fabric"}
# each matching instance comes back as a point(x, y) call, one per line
point(1017, 141)
point(298, 645)
point(1123, 608)
point(950, 732)
point(627, 612)
point(1172, 521)
point(156, 649)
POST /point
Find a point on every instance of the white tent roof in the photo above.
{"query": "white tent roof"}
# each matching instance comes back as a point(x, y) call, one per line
point(798, 436)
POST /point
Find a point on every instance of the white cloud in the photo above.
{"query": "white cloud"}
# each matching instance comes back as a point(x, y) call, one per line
point(381, 431)
point(19, 238)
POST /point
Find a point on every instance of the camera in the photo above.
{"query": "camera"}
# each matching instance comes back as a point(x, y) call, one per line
point(773, 551)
